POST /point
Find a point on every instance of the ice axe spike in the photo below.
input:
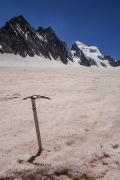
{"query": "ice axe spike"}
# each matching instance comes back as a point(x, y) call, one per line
point(33, 98)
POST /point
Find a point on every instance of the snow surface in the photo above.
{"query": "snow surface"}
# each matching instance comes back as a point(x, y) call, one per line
point(80, 125)
point(16, 60)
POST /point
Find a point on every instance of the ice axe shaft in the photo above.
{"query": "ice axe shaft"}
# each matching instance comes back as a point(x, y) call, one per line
point(33, 98)
point(36, 124)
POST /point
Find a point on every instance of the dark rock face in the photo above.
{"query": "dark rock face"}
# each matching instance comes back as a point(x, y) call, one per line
point(112, 62)
point(18, 37)
point(57, 48)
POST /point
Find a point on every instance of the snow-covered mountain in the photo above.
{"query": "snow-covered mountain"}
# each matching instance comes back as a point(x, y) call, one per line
point(19, 37)
point(91, 55)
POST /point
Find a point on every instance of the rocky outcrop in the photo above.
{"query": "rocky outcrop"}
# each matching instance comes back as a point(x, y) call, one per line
point(55, 47)
point(112, 61)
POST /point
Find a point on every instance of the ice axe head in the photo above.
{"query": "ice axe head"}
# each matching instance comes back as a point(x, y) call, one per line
point(36, 97)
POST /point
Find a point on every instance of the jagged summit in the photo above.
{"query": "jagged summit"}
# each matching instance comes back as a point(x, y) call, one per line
point(78, 43)
point(19, 18)
point(17, 24)
point(19, 37)
point(48, 29)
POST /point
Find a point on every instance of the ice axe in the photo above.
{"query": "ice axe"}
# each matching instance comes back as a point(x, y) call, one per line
point(33, 98)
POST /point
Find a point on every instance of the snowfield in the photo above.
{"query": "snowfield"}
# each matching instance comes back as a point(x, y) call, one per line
point(80, 126)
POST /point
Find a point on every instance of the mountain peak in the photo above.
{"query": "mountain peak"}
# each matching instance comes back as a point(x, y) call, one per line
point(49, 29)
point(87, 49)
point(18, 19)
point(17, 25)
point(78, 43)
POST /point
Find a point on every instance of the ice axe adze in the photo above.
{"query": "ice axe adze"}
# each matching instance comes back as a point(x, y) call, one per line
point(33, 98)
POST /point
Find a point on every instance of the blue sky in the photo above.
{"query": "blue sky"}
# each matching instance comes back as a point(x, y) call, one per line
point(94, 22)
